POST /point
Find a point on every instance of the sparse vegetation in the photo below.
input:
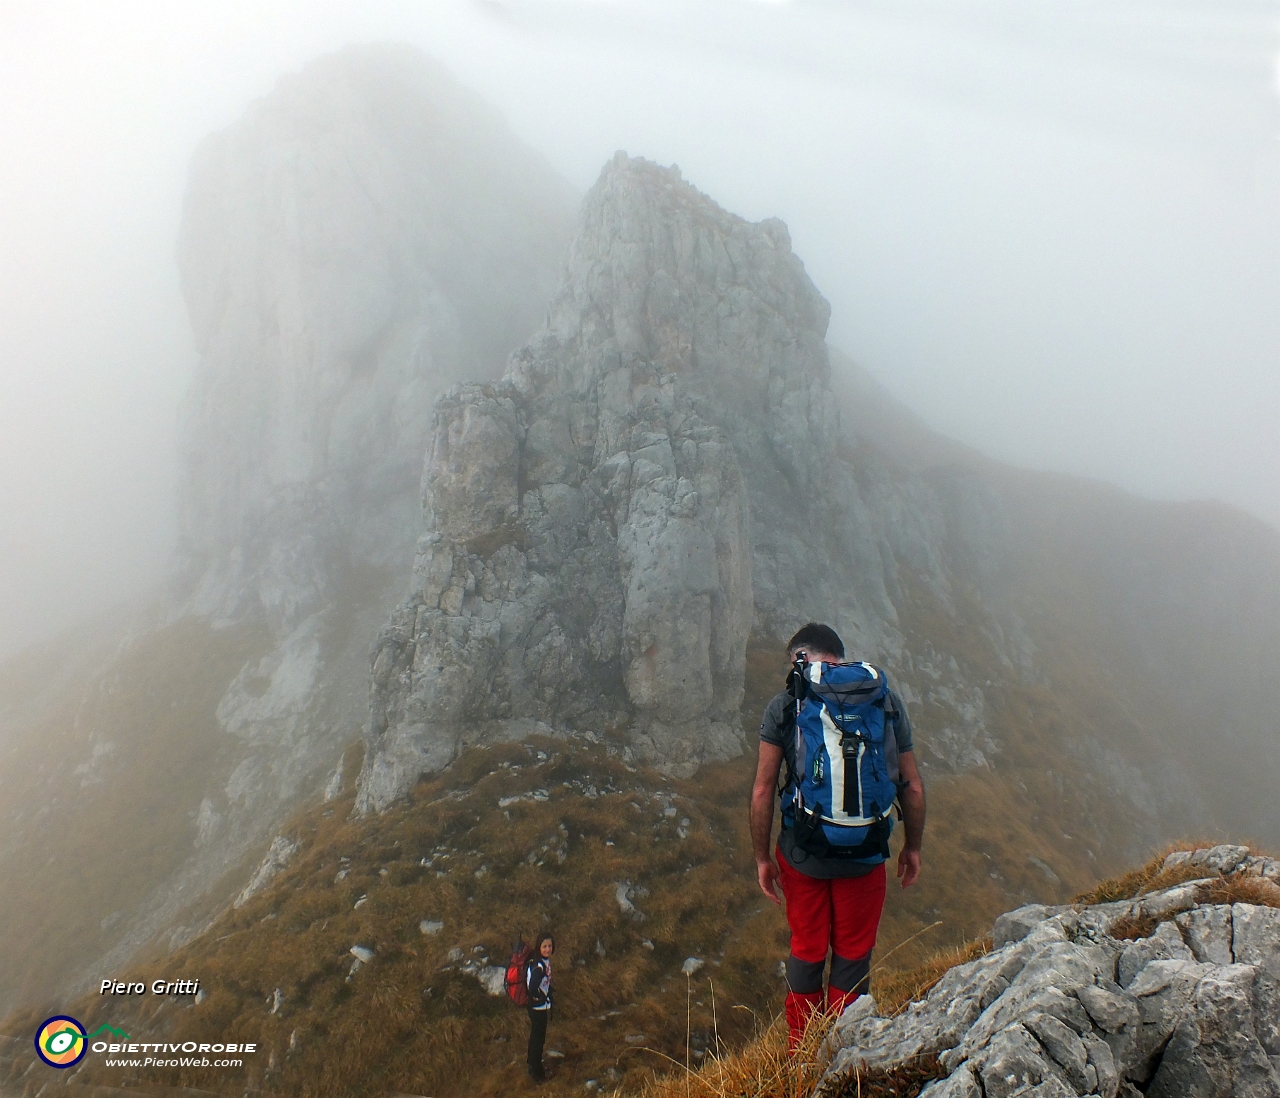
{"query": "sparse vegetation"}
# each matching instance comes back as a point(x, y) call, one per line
point(508, 840)
point(515, 837)
point(760, 1070)
point(905, 1080)
point(1236, 888)
point(897, 990)
point(764, 1070)
point(1150, 877)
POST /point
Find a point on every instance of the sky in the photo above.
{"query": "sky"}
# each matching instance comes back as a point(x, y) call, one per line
point(1050, 228)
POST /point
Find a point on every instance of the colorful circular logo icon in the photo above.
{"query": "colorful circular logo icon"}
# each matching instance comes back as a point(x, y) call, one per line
point(60, 1041)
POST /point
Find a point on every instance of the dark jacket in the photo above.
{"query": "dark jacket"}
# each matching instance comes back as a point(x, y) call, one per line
point(537, 979)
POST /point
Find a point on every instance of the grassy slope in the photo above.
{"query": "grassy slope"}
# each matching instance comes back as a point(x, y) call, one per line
point(88, 837)
point(412, 1021)
point(113, 827)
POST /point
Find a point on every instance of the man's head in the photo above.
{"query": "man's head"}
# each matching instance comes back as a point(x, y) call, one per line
point(819, 643)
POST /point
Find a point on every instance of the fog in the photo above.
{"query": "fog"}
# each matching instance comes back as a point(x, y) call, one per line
point(1051, 229)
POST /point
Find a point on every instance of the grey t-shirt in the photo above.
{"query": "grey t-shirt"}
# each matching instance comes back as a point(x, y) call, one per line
point(779, 728)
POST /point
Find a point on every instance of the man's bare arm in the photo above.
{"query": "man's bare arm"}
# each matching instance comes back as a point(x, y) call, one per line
point(912, 798)
point(762, 794)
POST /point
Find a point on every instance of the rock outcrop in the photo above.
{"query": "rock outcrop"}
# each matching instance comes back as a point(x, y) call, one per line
point(674, 463)
point(1060, 1008)
point(594, 521)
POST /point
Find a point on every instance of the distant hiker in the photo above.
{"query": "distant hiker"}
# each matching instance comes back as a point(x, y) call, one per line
point(537, 982)
point(846, 740)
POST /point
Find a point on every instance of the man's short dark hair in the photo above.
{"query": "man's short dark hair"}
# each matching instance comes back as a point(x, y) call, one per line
point(816, 637)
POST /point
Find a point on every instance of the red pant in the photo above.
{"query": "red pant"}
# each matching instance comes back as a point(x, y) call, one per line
point(843, 914)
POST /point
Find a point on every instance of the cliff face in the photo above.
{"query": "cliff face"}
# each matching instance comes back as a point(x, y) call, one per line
point(612, 540)
point(365, 236)
point(591, 519)
point(662, 470)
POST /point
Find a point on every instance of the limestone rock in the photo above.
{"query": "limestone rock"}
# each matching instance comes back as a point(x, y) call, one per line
point(1165, 944)
point(364, 236)
point(1043, 1014)
point(492, 978)
point(1256, 937)
point(1214, 1051)
point(1207, 931)
point(278, 857)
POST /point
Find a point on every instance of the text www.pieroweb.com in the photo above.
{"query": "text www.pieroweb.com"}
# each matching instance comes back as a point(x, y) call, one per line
point(180, 1061)
point(201, 1060)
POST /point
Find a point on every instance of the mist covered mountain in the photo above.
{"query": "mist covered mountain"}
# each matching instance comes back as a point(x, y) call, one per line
point(609, 540)
point(366, 235)
point(677, 462)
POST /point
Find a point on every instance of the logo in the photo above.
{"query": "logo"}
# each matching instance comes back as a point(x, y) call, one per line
point(61, 1041)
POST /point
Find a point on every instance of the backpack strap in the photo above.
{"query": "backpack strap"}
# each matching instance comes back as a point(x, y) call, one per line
point(786, 776)
point(798, 688)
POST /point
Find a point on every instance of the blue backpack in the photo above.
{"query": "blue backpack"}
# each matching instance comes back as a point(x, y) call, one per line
point(843, 780)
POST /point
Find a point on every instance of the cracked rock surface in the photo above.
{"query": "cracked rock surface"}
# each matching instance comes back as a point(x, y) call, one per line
point(1062, 1008)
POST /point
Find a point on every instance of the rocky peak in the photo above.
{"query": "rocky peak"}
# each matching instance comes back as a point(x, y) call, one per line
point(588, 554)
point(661, 275)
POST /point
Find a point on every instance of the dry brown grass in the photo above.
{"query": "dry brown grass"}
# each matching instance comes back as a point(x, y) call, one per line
point(1130, 928)
point(905, 1080)
point(1146, 878)
point(764, 1070)
point(1231, 889)
point(413, 1022)
point(1152, 878)
point(1240, 889)
point(760, 1070)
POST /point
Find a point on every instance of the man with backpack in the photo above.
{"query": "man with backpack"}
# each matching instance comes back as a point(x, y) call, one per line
point(846, 740)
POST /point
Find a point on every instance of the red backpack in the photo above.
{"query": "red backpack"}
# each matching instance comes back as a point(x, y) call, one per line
point(517, 991)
